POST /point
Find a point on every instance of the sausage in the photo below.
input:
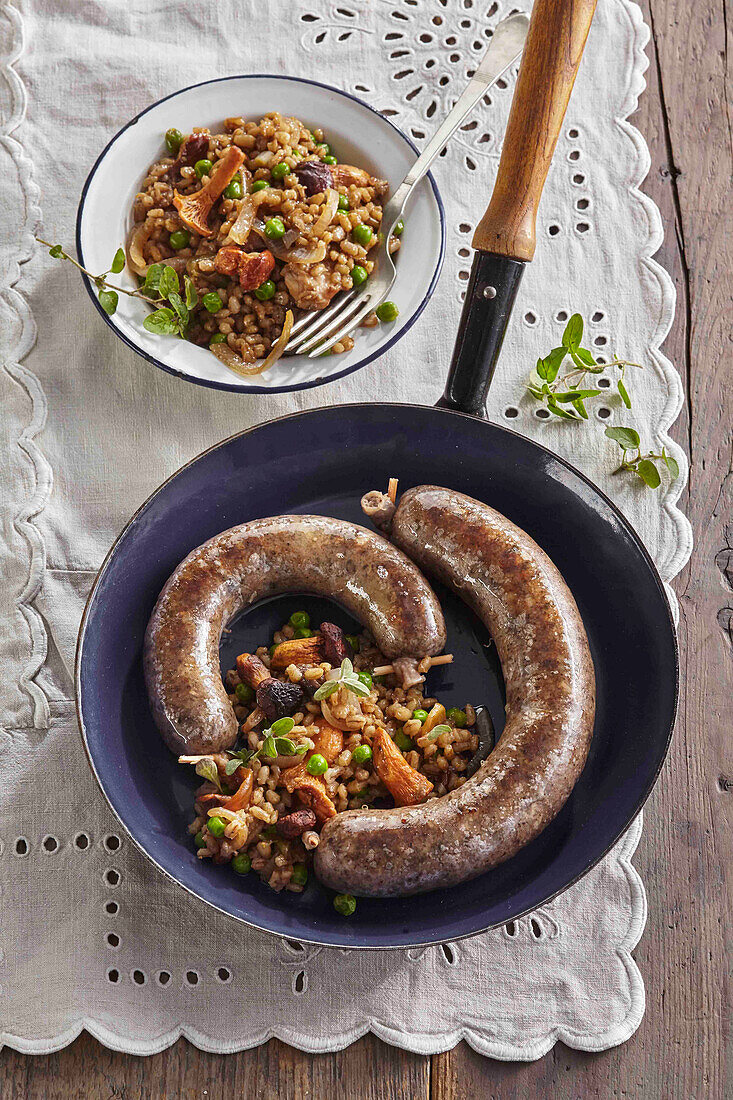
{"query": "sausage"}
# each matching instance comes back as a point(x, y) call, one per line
point(371, 578)
point(511, 584)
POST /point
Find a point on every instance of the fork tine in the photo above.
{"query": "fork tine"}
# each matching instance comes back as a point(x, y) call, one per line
point(337, 325)
point(353, 322)
point(306, 327)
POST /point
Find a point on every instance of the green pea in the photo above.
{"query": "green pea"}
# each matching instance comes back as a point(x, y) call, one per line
point(300, 874)
point(300, 618)
point(212, 302)
point(235, 189)
point(343, 202)
point(362, 754)
point(399, 228)
point(259, 185)
point(303, 632)
point(173, 140)
point(243, 692)
point(329, 159)
point(317, 764)
point(345, 904)
point(179, 239)
point(275, 229)
point(203, 167)
point(457, 717)
point(421, 715)
point(242, 864)
point(279, 172)
point(362, 234)
point(266, 291)
point(199, 840)
point(217, 825)
point(388, 311)
point(218, 337)
point(358, 275)
point(353, 640)
point(366, 679)
point(402, 741)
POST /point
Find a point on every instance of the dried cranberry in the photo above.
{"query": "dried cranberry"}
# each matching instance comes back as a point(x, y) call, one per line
point(314, 176)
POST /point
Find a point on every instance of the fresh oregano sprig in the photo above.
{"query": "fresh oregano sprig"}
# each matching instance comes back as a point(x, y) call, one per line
point(276, 743)
point(644, 466)
point(161, 285)
point(565, 395)
point(346, 678)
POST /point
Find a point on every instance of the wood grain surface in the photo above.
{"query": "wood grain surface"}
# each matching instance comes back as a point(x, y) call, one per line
point(680, 1050)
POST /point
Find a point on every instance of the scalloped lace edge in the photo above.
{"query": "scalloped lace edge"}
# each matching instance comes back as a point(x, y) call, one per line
point(418, 1043)
point(41, 469)
point(482, 1042)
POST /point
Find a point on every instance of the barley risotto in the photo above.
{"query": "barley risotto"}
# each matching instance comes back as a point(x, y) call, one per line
point(331, 731)
point(259, 222)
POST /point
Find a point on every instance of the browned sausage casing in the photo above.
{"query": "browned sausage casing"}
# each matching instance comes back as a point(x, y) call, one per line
point(371, 578)
point(515, 589)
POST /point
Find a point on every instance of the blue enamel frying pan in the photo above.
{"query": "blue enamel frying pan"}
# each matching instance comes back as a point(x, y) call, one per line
point(322, 462)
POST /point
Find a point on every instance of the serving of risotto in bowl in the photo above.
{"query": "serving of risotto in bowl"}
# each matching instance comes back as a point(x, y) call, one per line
point(254, 200)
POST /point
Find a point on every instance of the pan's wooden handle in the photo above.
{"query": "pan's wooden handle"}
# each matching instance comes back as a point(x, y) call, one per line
point(552, 54)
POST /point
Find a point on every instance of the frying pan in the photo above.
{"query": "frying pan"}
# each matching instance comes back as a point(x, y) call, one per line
point(322, 462)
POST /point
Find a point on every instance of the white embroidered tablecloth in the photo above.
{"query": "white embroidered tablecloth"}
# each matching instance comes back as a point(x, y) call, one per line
point(91, 935)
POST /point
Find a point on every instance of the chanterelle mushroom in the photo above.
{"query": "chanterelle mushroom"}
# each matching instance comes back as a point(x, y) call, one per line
point(194, 209)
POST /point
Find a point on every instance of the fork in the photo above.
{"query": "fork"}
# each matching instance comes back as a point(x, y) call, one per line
point(315, 335)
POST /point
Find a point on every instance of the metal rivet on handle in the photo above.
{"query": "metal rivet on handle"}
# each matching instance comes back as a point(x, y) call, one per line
point(489, 292)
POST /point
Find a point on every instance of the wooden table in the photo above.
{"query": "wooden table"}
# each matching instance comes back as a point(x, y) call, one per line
point(684, 855)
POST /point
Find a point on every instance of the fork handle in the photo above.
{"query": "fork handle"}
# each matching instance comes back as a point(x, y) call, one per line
point(555, 42)
point(506, 45)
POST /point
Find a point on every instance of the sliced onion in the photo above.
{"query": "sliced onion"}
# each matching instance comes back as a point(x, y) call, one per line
point(235, 362)
point(135, 246)
point(305, 254)
point(243, 225)
point(326, 216)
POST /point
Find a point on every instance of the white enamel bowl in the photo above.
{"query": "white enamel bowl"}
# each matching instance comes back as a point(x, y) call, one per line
point(358, 134)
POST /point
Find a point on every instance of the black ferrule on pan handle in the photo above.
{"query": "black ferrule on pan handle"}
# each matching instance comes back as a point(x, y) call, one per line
point(489, 299)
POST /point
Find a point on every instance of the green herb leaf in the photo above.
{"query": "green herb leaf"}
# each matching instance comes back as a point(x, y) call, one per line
point(624, 393)
point(573, 333)
point(628, 438)
point(153, 276)
point(648, 472)
point(325, 690)
point(573, 395)
point(585, 357)
point(672, 466)
point(580, 407)
point(541, 369)
point(281, 727)
point(168, 282)
point(162, 322)
point(437, 730)
point(353, 683)
point(119, 261)
point(56, 251)
point(231, 765)
point(300, 750)
point(179, 307)
point(284, 746)
point(108, 300)
point(552, 363)
point(269, 748)
point(192, 298)
point(555, 408)
point(207, 769)
point(346, 668)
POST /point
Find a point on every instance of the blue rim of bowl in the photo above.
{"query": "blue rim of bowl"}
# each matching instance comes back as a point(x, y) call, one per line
point(310, 939)
point(210, 383)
